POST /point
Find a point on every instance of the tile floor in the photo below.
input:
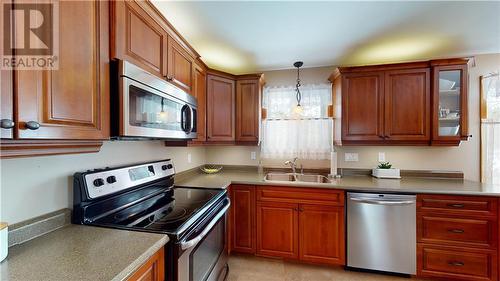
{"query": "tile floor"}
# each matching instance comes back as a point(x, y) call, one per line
point(249, 268)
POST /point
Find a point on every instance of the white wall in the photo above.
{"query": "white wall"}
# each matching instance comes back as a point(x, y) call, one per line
point(464, 158)
point(38, 185)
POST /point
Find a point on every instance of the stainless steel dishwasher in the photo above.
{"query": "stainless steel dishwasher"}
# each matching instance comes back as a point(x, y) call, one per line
point(381, 232)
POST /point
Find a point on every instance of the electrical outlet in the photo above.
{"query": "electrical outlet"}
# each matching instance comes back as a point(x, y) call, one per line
point(351, 157)
point(381, 157)
point(253, 155)
point(189, 158)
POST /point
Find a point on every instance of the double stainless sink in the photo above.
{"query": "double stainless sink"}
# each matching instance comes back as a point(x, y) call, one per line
point(291, 177)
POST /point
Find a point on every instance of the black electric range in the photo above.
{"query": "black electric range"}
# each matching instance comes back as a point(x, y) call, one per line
point(143, 197)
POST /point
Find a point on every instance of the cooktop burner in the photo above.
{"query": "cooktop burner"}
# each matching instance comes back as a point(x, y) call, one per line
point(164, 212)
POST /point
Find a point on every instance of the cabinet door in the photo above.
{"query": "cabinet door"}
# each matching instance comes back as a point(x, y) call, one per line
point(136, 37)
point(152, 270)
point(220, 108)
point(180, 66)
point(363, 107)
point(243, 219)
point(6, 104)
point(200, 93)
point(449, 104)
point(321, 231)
point(277, 229)
point(247, 110)
point(71, 102)
point(407, 105)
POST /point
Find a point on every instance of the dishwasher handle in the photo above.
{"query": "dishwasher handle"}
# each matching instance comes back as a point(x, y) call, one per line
point(382, 202)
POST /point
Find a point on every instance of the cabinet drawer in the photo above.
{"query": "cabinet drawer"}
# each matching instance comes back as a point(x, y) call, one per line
point(457, 231)
point(300, 195)
point(460, 205)
point(456, 263)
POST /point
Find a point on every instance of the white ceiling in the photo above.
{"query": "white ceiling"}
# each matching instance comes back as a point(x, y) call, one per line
point(248, 36)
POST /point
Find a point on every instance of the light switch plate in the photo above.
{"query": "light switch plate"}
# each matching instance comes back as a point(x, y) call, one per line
point(351, 157)
point(189, 158)
point(253, 155)
point(381, 157)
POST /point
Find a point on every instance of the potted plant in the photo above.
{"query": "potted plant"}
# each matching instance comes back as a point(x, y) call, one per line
point(385, 170)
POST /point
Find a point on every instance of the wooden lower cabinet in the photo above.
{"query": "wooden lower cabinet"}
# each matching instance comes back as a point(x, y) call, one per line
point(322, 234)
point(242, 219)
point(457, 263)
point(277, 229)
point(152, 270)
point(298, 223)
point(457, 237)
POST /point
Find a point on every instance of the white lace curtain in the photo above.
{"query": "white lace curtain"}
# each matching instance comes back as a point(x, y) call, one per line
point(285, 134)
point(490, 129)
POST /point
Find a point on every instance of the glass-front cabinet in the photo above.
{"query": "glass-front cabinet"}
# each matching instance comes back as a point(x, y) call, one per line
point(449, 101)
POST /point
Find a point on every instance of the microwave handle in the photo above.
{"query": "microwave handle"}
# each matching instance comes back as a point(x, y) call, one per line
point(191, 243)
point(185, 126)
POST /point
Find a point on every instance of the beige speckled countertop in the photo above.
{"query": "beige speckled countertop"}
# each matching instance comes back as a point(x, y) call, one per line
point(76, 252)
point(354, 183)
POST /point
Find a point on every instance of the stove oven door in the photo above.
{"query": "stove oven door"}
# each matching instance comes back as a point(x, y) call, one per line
point(203, 255)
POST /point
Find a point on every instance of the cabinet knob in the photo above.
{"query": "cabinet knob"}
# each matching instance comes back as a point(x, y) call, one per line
point(7, 124)
point(32, 125)
point(169, 78)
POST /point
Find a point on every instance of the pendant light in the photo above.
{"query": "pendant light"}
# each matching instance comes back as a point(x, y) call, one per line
point(298, 108)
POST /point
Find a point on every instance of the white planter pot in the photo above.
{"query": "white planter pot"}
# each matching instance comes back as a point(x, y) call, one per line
point(386, 173)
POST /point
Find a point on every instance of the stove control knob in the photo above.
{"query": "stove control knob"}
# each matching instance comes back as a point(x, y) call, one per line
point(98, 182)
point(111, 179)
point(167, 167)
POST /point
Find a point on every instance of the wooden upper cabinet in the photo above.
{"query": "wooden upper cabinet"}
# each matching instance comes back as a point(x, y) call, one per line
point(450, 101)
point(180, 66)
point(321, 230)
point(242, 218)
point(138, 38)
point(247, 110)
point(220, 108)
point(6, 104)
point(200, 93)
point(407, 105)
point(363, 107)
point(71, 102)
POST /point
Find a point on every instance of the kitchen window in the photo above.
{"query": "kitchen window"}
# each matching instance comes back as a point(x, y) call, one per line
point(287, 133)
point(490, 128)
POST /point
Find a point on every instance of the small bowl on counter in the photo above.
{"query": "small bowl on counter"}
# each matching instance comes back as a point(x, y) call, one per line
point(210, 169)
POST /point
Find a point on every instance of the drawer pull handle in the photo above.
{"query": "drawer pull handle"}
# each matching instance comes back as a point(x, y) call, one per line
point(456, 205)
point(456, 231)
point(456, 263)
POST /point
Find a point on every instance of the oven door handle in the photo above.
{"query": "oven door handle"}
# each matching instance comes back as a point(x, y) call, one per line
point(190, 243)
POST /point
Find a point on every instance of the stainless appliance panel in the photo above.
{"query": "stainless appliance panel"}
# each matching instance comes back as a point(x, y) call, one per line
point(153, 108)
point(381, 232)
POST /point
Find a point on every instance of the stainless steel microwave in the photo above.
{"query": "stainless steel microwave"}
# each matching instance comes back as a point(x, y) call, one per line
point(144, 106)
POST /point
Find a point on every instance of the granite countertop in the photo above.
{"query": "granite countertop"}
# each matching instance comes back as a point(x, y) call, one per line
point(354, 183)
point(76, 252)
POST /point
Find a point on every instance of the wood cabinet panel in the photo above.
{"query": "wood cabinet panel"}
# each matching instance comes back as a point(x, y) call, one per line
point(457, 263)
point(457, 205)
point(362, 106)
point(407, 105)
point(457, 231)
point(247, 110)
point(277, 229)
point(136, 37)
point(243, 219)
point(200, 93)
point(71, 102)
point(152, 270)
point(6, 102)
point(321, 230)
point(300, 195)
point(220, 109)
point(180, 66)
